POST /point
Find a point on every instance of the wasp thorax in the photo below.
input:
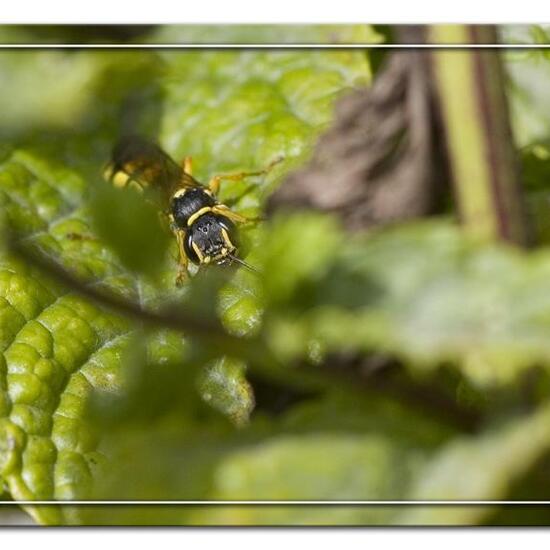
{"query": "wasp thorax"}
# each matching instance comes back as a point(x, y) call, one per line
point(211, 238)
point(187, 203)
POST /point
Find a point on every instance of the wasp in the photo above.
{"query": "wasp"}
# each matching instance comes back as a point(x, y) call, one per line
point(205, 229)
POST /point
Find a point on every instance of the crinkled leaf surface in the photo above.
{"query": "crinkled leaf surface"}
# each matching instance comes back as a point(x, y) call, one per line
point(230, 111)
point(56, 346)
point(236, 111)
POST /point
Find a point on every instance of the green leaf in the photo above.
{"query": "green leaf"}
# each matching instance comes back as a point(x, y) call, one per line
point(59, 349)
point(132, 227)
point(425, 293)
point(231, 111)
point(529, 82)
point(342, 445)
point(234, 111)
point(297, 251)
point(468, 470)
point(225, 387)
point(345, 446)
point(65, 90)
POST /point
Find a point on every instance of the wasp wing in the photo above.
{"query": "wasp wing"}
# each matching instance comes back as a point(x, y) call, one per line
point(140, 163)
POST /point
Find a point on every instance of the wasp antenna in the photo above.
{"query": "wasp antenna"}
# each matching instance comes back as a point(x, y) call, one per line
point(243, 263)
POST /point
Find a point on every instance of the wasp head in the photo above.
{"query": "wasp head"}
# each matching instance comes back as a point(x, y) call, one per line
point(212, 238)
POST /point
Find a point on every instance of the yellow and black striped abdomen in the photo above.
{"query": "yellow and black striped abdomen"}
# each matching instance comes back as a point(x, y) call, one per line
point(138, 163)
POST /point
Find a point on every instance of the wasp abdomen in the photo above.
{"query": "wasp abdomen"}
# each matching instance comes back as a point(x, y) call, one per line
point(189, 202)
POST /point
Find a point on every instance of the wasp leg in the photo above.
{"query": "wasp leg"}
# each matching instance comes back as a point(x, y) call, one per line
point(187, 165)
point(183, 262)
point(215, 182)
point(233, 216)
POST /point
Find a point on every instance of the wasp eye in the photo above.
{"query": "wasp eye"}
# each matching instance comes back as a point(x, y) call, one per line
point(189, 250)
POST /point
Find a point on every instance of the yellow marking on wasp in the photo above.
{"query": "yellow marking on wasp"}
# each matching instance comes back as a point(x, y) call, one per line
point(183, 272)
point(228, 242)
point(224, 210)
point(221, 254)
point(198, 214)
point(198, 253)
point(188, 165)
point(179, 193)
point(135, 185)
point(108, 172)
point(120, 179)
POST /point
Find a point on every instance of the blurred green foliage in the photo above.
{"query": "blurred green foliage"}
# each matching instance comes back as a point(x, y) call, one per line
point(96, 405)
point(528, 74)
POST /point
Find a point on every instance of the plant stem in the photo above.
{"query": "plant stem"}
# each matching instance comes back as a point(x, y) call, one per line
point(475, 115)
